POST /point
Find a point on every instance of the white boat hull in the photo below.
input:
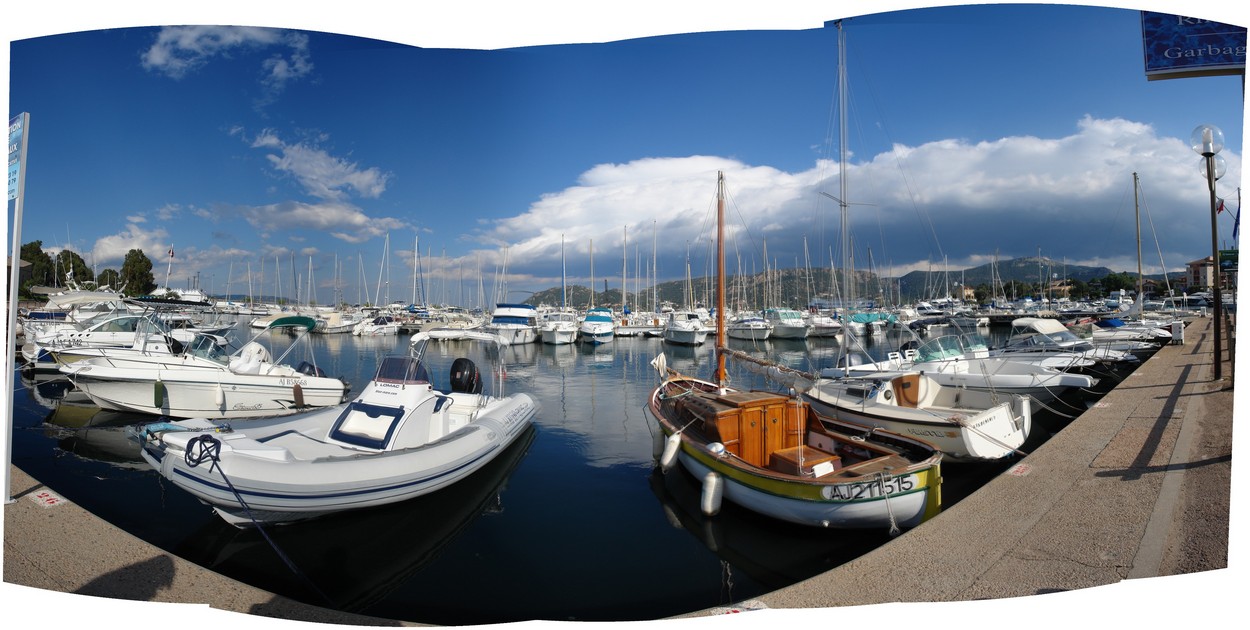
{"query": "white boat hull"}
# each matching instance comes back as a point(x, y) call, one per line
point(190, 393)
point(966, 426)
point(398, 440)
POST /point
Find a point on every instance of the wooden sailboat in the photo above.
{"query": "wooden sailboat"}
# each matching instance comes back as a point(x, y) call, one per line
point(771, 453)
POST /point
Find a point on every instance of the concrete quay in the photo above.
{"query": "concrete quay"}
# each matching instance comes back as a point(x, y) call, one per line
point(1139, 486)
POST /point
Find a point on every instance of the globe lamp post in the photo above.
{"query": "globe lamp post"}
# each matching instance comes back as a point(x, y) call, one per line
point(1208, 141)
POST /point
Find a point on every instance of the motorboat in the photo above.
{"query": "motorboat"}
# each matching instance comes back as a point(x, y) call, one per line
point(514, 323)
point(748, 327)
point(203, 380)
point(380, 326)
point(786, 323)
point(598, 326)
point(684, 328)
point(964, 361)
point(1043, 336)
point(823, 325)
point(47, 352)
point(400, 438)
point(558, 327)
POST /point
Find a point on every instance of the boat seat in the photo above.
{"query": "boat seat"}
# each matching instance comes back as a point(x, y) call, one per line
point(366, 425)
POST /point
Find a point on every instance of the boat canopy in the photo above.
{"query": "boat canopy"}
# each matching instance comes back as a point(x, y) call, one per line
point(293, 321)
point(401, 369)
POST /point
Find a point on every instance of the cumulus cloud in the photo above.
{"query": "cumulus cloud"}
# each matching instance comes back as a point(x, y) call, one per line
point(341, 220)
point(110, 251)
point(181, 50)
point(320, 174)
point(949, 202)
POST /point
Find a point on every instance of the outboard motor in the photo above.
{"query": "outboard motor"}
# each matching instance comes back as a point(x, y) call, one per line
point(465, 378)
point(309, 369)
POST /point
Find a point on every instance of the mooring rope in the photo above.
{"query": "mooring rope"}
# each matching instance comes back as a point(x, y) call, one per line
point(207, 447)
point(894, 529)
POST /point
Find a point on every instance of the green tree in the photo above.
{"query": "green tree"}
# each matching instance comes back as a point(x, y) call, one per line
point(72, 265)
point(109, 278)
point(136, 274)
point(42, 268)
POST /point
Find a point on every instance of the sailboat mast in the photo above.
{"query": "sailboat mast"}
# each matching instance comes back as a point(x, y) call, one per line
point(1137, 214)
point(624, 264)
point(721, 376)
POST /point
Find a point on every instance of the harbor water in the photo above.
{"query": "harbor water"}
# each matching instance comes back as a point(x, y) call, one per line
point(574, 522)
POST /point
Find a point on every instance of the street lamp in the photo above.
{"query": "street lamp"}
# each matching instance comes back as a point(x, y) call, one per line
point(1208, 141)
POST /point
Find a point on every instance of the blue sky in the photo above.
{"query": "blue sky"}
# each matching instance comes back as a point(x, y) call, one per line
point(974, 132)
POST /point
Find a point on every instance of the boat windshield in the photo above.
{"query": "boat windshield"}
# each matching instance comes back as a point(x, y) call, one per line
point(403, 370)
point(207, 347)
point(941, 349)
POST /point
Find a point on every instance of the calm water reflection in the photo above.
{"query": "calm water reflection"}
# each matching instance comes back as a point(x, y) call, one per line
point(574, 522)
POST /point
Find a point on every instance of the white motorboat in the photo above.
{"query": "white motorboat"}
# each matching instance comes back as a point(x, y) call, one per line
point(965, 424)
point(685, 328)
point(400, 438)
point(1041, 336)
point(558, 327)
point(748, 327)
point(203, 380)
point(379, 326)
point(46, 353)
point(786, 323)
point(964, 361)
point(514, 323)
point(598, 326)
point(823, 325)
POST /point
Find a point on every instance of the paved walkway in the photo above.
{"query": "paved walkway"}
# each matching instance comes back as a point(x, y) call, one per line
point(1136, 487)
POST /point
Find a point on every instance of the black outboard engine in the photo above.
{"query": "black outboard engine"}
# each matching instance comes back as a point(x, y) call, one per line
point(309, 369)
point(465, 378)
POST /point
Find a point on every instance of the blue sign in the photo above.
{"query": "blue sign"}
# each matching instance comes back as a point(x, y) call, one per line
point(16, 128)
point(1179, 46)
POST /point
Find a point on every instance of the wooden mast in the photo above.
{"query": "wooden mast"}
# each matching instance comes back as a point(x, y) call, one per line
point(722, 378)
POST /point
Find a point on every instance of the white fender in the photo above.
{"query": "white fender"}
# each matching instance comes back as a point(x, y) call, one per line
point(671, 446)
point(220, 397)
point(713, 490)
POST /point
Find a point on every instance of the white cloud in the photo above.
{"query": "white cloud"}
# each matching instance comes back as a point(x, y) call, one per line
point(180, 50)
point(320, 174)
point(947, 202)
point(110, 251)
point(341, 220)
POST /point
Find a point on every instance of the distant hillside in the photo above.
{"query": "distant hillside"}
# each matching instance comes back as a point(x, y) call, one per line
point(1027, 270)
point(792, 287)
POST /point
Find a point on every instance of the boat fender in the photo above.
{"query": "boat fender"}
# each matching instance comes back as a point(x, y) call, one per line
point(158, 394)
point(713, 491)
point(298, 392)
point(669, 457)
point(220, 397)
point(657, 445)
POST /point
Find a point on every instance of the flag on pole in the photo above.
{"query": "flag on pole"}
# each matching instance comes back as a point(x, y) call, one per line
point(1237, 223)
point(171, 252)
point(1219, 208)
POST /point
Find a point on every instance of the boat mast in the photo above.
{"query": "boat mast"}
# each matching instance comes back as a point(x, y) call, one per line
point(624, 265)
point(1138, 303)
point(721, 377)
